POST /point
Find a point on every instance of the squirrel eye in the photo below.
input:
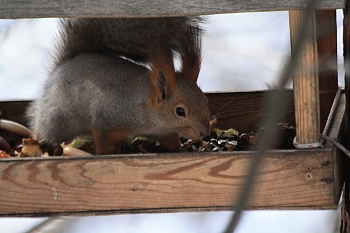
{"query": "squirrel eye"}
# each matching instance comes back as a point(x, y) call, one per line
point(180, 112)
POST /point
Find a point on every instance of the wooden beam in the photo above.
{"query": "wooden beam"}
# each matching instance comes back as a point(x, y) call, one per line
point(163, 183)
point(15, 111)
point(244, 111)
point(326, 32)
point(345, 209)
point(10, 9)
point(336, 131)
point(305, 79)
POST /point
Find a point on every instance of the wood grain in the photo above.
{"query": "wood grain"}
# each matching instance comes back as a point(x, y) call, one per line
point(326, 33)
point(244, 111)
point(305, 79)
point(134, 8)
point(337, 131)
point(345, 206)
point(68, 186)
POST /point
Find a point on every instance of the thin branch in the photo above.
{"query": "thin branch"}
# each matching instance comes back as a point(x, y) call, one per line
point(271, 118)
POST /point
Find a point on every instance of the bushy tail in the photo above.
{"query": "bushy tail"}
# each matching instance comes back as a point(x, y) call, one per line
point(134, 39)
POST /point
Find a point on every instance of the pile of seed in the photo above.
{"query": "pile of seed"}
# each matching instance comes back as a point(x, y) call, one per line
point(219, 140)
point(229, 140)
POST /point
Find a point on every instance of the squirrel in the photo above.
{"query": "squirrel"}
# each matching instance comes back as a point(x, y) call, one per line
point(96, 88)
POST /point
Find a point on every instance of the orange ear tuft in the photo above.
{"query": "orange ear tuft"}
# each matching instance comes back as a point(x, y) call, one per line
point(191, 53)
point(191, 69)
point(163, 72)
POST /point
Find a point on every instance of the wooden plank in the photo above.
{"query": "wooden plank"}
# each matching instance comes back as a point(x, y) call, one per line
point(240, 110)
point(15, 111)
point(345, 209)
point(134, 8)
point(158, 183)
point(326, 29)
point(244, 111)
point(337, 131)
point(305, 80)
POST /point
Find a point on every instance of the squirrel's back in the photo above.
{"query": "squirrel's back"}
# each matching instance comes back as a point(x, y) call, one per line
point(91, 89)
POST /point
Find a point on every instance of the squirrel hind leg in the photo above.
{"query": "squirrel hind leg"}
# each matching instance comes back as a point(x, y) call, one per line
point(108, 142)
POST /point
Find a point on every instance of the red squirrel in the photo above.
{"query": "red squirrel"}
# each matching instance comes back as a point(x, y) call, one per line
point(95, 87)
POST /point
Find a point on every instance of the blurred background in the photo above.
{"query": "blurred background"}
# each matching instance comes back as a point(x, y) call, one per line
point(242, 51)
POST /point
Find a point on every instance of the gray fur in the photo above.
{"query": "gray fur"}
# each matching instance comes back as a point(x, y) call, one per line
point(92, 90)
point(109, 92)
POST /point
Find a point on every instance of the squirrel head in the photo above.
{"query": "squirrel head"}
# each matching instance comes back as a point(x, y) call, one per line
point(180, 105)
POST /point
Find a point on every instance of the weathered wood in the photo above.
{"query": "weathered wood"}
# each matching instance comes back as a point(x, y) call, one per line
point(45, 187)
point(135, 8)
point(326, 29)
point(288, 179)
point(15, 111)
point(345, 209)
point(242, 112)
point(336, 131)
point(305, 80)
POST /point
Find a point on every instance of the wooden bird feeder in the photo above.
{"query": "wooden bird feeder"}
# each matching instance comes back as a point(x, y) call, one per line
point(288, 179)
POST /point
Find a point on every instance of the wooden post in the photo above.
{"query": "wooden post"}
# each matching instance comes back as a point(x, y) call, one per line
point(326, 29)
point(345, 209)
point(305, 79)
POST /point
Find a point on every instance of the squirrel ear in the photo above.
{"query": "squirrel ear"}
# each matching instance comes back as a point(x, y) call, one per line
point(162, 75)
point(163, 72)
point(191, 70)
point(163, 86)
point(191, 53)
